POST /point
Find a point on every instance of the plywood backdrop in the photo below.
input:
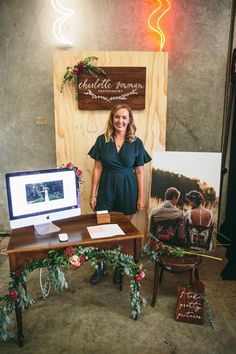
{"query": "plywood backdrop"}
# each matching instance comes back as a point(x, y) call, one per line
point(76, 130)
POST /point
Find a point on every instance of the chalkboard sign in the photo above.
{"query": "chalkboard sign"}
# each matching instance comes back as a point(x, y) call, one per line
point(190, 306)
point(117, 85)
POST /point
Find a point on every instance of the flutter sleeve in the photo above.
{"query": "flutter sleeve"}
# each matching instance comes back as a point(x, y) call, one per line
point(95, 151)
point(142, 156)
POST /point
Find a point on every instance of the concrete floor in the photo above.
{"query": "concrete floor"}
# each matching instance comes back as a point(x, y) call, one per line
point(88, 319)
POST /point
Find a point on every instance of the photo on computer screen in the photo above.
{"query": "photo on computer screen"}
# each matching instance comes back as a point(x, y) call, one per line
point(42, 196)
point(186, 185)
point(44, 192)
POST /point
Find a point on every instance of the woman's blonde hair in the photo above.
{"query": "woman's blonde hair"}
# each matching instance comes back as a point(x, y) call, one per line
point(131, 128)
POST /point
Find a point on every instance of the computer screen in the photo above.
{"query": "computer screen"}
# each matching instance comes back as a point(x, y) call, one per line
point(40, 197)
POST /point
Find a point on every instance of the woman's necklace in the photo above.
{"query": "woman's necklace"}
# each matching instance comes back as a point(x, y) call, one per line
point(119, 142)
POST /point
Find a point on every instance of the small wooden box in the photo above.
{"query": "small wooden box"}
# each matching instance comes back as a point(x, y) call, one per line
point(103, 218)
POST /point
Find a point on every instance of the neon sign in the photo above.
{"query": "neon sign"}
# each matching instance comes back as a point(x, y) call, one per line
point(58, 24)
point(164, 6)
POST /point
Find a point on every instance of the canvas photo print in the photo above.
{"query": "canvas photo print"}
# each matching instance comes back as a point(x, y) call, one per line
point(184, 200)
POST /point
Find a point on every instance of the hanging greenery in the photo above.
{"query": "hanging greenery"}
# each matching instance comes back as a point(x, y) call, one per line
point(73, 257)
point(87, 65)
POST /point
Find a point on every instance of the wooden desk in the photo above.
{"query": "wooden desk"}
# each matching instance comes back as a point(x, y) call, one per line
point(24, 245)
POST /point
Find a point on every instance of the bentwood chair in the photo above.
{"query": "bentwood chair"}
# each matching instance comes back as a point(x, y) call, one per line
point(186, 264)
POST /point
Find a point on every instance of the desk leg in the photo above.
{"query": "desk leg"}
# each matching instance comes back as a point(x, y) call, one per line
point(137, 255)
point(137, 250)
point(121, 282)
point(155, 284)
point(18, 311)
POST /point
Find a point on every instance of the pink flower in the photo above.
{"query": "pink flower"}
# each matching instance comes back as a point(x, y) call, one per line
point(78, 172)
point(140, 276)
point(82, 259)
point(69, 251)
point(75, 70)
point(70, 165)
point(160, 245)
point(80, 66)
point(13, 294)
point(153, 245)
point(75, 261)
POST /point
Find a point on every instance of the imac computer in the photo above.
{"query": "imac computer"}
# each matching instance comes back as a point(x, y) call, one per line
point(40, 197)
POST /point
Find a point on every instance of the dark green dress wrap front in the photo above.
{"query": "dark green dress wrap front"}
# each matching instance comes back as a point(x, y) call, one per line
point(118, 188)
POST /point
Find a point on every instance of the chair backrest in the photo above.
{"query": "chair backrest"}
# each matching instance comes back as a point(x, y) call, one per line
point(199, 237)
point(164, 230)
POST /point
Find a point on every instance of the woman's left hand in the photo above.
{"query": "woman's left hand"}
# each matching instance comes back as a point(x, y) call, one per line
point(140, 204)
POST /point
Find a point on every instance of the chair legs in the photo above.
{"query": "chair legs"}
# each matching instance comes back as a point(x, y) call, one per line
point(155, 285)
point(196, 274)
point(190, 277)
point(158, 275)
point(161, 274)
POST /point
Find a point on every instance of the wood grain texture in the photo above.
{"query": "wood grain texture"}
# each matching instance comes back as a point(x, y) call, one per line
point(76, 130)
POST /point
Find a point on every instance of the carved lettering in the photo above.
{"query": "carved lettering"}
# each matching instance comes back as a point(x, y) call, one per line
point(98, 84)
point(129, 85)
point(118, 84)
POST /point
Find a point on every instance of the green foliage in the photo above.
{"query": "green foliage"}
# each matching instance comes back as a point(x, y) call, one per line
point(56, 278)
point(87, 65)
point(58, 259)
point(4, 324)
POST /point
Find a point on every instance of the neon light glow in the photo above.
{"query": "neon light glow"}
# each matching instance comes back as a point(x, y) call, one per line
point(157, 29)
point(58, 24)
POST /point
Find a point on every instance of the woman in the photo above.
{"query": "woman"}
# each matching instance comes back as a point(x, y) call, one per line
point(199, 221)
point(118, 174)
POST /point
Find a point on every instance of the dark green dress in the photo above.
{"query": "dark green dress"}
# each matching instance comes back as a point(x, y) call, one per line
point(118, 188)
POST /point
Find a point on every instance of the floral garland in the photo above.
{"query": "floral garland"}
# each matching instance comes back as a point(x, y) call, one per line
point(154, 249)
point(78, 172)
point(86, 65)
point(73, 257)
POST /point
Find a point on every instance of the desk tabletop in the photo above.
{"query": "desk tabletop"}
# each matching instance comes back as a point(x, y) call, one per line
point(25, 240)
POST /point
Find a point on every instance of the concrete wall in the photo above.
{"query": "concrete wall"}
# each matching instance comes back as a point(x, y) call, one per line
point(197, 42)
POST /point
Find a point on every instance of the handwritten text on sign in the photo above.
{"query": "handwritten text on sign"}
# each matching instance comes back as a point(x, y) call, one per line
point(189, 306)
point(118, 85)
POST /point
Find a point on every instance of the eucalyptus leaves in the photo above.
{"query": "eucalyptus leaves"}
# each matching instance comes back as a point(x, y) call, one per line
point(87, 65)
point(57, 260)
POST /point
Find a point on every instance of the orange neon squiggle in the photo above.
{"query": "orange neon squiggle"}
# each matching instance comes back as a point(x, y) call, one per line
point(158, 29)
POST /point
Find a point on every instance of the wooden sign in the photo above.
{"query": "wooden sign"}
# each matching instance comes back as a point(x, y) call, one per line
point(117, 85)
point(190, 306)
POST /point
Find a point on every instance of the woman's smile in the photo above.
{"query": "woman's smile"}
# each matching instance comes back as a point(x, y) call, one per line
point(121, 119)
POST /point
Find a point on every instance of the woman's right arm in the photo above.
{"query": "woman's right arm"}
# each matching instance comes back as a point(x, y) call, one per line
point(97, 170)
